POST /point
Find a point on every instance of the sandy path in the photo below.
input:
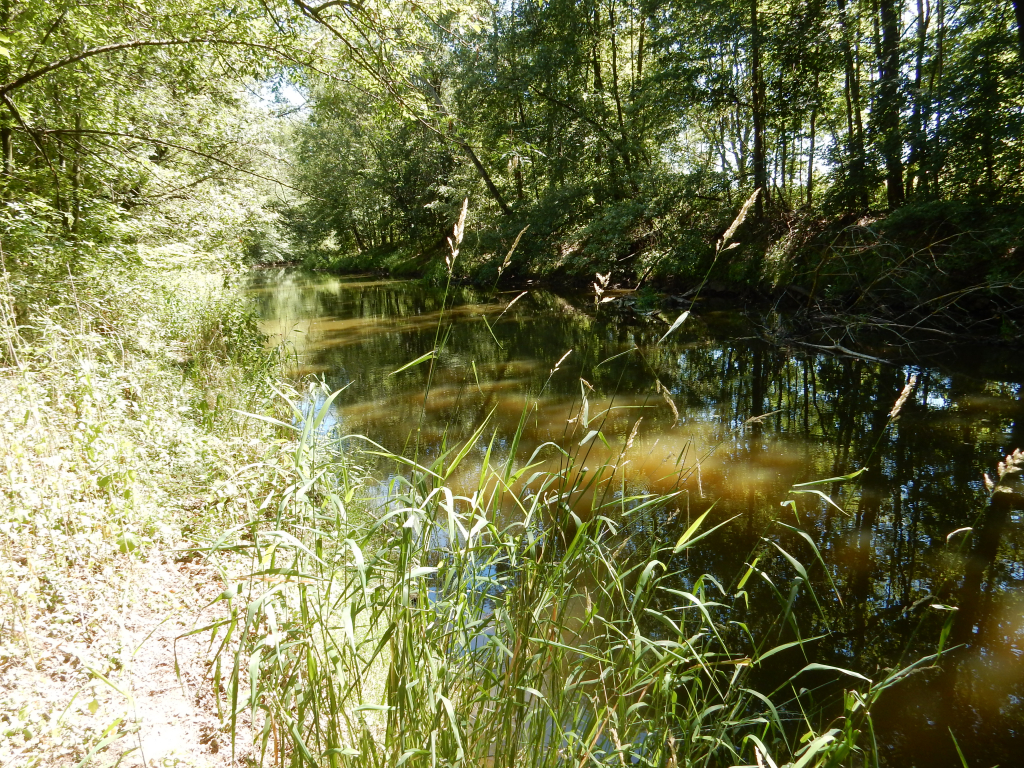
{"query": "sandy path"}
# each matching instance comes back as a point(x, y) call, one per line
point(57, 709)
point(177, 718)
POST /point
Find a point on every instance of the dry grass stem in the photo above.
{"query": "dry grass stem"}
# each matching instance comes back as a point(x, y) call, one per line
point(907, 389)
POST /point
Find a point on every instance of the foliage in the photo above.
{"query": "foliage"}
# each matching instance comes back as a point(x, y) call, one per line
point(430, 632)
point(118, 445)
point(626, 135)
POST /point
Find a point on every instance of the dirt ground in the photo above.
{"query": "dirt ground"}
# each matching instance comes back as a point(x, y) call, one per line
point(119, 697)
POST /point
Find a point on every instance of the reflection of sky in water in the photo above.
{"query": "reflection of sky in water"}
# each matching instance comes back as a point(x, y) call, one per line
point(886, 550)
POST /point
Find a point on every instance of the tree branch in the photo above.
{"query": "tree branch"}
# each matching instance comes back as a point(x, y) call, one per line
point(12, 107)
point(28, 77)
point(181, 147)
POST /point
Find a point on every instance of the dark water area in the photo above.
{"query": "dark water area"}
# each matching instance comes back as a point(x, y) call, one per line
point(890, 538)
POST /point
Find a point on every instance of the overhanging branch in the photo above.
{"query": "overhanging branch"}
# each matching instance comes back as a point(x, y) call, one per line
point(180, 147)
point(101, 50)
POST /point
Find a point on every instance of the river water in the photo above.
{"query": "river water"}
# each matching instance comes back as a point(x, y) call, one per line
point(884, 536)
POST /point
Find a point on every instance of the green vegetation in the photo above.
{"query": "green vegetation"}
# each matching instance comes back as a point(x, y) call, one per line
point(538, 617)
point(884, 137)
point(117, 439)
point(151, 151)
point(432, 633)
point(624, 135)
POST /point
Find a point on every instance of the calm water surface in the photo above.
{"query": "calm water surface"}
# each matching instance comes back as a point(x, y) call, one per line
point(885, 539)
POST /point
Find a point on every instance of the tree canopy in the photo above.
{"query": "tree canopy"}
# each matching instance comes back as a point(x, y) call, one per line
point(624, 133)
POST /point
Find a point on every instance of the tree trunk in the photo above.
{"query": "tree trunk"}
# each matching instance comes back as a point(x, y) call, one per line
point(990, 89)
point(640, 52)
point(464, 145)
point(757, 105)
point(615, 73)
point(598, 81)
point(359, 239)
point(1018, 9)
point(916, 167)
point(810, 150)
point(935, 90)
point(76, 175)
point(782, 158)
point(888, 103)
point(495, 193)
point(58, 198)
point(624, 151)
point(7, 142)
point(519, 159)
point(794, 181)
point(858, 163)
point(739, 140)
point(638, 113)
point(6, 134)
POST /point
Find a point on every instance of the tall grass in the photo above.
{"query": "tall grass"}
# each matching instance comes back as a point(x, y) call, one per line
point(543, 617)
point(424, 631)
point(113, 451)
point(526, 622)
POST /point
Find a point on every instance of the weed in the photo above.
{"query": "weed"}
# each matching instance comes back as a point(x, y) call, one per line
point(108, 463)
point(432, 633)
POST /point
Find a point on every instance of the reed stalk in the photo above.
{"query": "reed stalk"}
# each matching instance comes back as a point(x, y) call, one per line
point(427, 632)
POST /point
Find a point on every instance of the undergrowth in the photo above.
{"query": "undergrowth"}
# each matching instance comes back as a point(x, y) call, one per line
point(117, 445)
point(537, 618)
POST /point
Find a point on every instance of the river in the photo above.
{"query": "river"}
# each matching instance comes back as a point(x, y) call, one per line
point(885, 537)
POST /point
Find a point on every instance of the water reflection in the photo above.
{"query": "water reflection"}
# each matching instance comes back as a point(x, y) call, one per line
point(823, 416)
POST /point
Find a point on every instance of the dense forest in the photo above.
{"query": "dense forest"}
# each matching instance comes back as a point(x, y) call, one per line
point(884, 138)
point(262, 504)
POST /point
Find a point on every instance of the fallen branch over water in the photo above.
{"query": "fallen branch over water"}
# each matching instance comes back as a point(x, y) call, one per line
point(839, 349)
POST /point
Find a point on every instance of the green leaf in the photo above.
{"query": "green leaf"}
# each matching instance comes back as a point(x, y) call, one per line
point(410, 753)
point(421, 359)
point(947, 627)
point(829, 668)
point(679, 321)
point(422, 570)
point(690, 531)
point(346, 624)
point(823, 495)
point(960, 753)
point(817, 746)
point(468, 445)
point(709, 531)
point(750, 570)
point(785, 646)
point(268, 419)
point(128, 542)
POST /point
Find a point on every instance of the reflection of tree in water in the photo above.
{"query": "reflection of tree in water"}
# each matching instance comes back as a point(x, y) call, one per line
point(822, 417)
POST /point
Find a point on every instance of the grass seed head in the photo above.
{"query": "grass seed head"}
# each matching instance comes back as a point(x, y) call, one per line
point(895, 412)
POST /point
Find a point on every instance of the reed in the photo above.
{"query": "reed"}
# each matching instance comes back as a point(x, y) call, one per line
point(545, 616)
point(423, 630)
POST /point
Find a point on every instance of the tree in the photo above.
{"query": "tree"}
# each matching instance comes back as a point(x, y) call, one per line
point(108, 108)
point(888, 104)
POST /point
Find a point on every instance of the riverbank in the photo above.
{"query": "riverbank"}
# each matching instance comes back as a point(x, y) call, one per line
point(887, 542)
point(119, 444)
point(466, 582)
point(930, 271)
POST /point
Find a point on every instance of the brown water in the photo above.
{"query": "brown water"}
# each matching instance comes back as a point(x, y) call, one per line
point(885, 540)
